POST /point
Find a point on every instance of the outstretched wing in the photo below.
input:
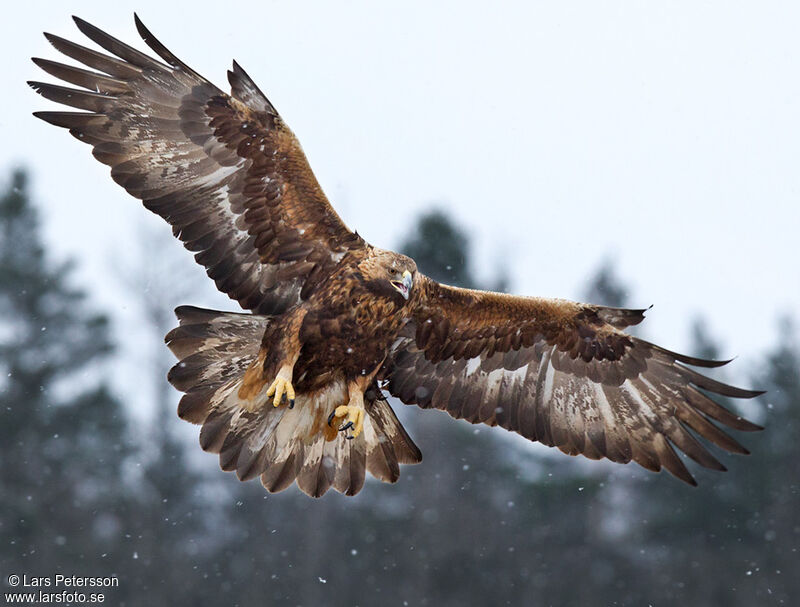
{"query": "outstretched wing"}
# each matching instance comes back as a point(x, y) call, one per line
point(223, 170)
point(560, 373)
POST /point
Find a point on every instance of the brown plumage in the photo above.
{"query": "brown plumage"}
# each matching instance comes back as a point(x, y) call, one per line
point(291, 391)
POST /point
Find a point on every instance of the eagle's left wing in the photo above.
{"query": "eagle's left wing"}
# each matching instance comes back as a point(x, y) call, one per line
point(561, 373)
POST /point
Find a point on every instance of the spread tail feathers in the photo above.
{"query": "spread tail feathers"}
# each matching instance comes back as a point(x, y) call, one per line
point(278, 444)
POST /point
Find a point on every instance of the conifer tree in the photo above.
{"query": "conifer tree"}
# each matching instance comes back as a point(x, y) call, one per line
point(441, 249)
point(606, 288)
point(63, 435)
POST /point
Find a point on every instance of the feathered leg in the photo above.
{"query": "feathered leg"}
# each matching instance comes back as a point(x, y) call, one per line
point(277, 357)
point(350, 416)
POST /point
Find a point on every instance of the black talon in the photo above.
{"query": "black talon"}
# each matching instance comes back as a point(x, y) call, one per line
point(330, 417)
point(351, 437)
point(347, 426)
point(291, 403)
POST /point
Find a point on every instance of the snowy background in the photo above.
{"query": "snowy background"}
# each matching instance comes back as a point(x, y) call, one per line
point(659, 139)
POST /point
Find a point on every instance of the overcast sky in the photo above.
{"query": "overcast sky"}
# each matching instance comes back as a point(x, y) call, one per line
point(665, 134)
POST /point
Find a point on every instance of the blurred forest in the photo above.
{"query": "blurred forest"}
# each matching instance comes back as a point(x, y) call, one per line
point(486, 519)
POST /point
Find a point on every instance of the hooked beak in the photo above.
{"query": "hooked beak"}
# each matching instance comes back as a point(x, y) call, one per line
point(404, 287)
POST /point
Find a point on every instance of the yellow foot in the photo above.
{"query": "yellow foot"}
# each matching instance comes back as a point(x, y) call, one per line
point(351, 418)
point(281, 388)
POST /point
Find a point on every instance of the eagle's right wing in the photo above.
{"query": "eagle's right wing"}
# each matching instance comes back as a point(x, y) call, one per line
point(223, 170)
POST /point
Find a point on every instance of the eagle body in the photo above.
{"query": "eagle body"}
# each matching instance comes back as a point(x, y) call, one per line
point(292, 388)
point(348, 325)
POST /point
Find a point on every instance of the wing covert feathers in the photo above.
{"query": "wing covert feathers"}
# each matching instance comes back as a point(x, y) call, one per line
point(223, 170)
point(563, 374)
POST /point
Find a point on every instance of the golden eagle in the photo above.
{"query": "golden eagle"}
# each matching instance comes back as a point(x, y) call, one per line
point(293, 389)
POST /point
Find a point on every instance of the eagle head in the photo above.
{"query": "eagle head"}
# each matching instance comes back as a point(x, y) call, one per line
point(389, 274)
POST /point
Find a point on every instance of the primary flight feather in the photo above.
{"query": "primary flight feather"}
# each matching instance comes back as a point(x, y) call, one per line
point(293, 389)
